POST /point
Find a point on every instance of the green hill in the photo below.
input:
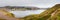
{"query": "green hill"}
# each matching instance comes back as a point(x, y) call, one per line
point(50, 14)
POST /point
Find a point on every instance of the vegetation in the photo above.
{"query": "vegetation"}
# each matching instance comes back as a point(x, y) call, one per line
point(50, 14)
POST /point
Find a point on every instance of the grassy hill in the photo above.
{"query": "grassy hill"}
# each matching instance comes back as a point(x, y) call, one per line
point(50, 14)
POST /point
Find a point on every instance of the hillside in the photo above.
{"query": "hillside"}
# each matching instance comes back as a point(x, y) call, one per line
point(4, 15)
point(49, 14)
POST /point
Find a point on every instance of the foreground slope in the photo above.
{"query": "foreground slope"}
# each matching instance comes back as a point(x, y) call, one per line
point(49, 14)
point(4, 15)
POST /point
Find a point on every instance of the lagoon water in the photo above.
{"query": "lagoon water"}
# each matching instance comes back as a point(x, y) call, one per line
point(21, 14)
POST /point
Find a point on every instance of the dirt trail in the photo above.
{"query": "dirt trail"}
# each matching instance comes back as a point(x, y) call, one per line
point(53, 15)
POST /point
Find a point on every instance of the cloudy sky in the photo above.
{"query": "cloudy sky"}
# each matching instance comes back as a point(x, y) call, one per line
point(38, 3)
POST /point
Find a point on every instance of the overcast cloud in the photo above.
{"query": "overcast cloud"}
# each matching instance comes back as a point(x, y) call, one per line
point(38, 3)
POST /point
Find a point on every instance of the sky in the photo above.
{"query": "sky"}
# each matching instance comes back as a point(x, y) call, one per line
point(36, 3)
